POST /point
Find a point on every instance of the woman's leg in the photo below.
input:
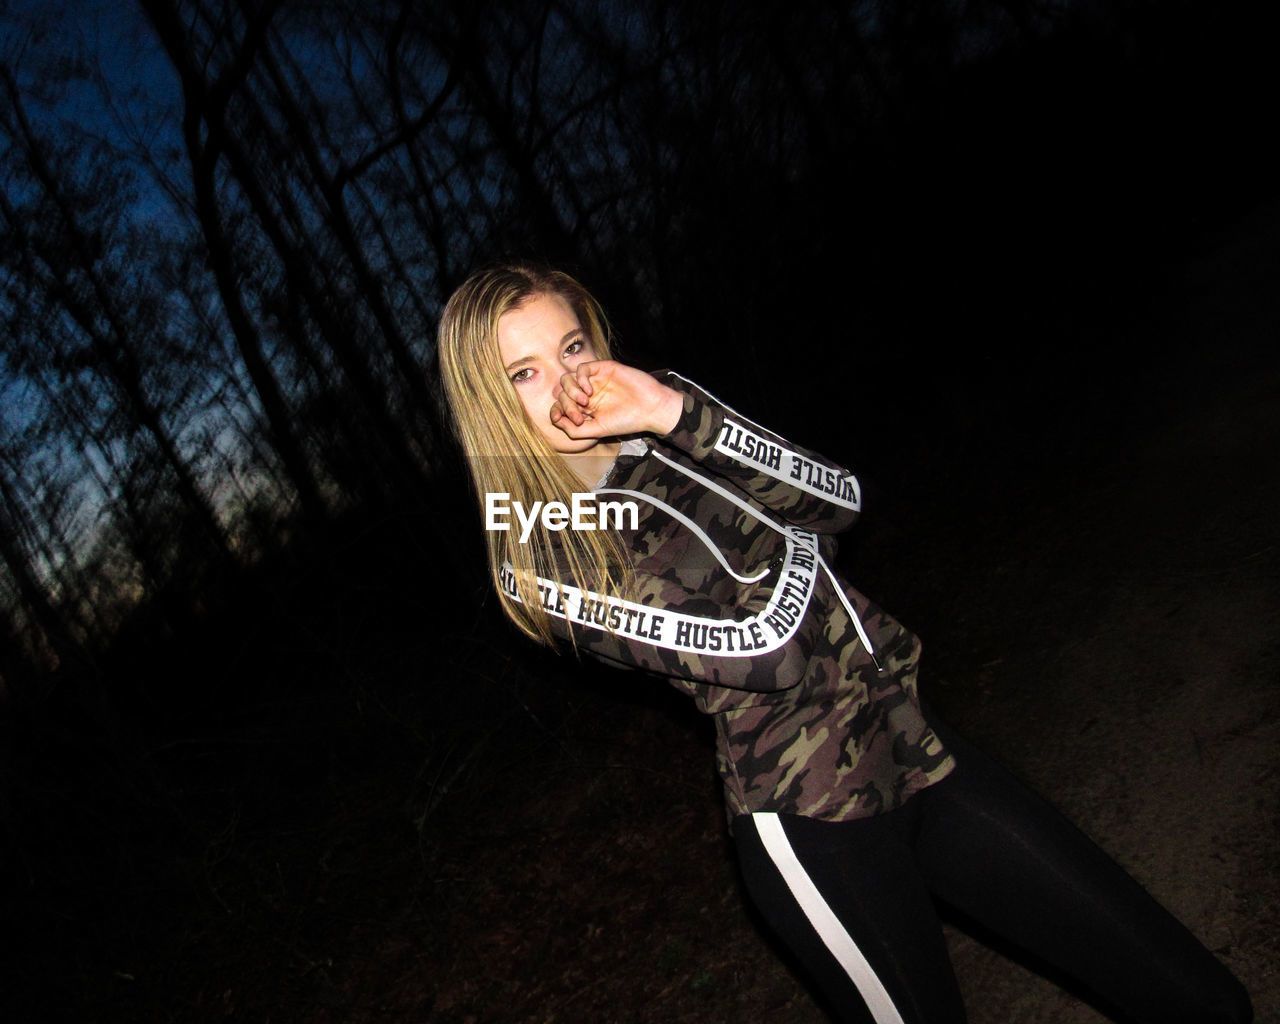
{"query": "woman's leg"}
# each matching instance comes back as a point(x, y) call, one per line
point(848, 901)
point(999, 853)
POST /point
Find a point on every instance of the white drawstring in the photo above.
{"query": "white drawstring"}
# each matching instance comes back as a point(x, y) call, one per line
point(791, 539)
point(857, 621)
point(675, 514)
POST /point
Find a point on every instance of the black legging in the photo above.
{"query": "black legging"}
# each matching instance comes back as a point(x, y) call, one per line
point(854, 901)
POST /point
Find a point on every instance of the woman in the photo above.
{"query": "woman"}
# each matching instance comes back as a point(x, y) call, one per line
point(851, 807)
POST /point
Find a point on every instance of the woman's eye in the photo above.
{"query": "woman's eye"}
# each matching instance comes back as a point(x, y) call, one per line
point(520, 375)
point(574, 347)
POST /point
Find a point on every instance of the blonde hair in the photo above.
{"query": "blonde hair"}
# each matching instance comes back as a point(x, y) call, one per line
point(505, 451)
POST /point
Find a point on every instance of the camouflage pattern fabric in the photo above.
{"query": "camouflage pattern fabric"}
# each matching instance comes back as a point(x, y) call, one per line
point(808, 720)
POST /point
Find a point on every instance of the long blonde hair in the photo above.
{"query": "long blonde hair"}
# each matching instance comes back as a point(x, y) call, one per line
point(505, 451)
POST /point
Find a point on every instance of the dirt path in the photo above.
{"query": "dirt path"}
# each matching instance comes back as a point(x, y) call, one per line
point(1144, 695)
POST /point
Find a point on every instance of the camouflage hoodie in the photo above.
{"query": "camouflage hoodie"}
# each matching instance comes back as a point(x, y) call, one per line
point(812, 687)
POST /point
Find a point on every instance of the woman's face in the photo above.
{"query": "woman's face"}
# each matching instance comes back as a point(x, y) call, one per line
point(538, 342)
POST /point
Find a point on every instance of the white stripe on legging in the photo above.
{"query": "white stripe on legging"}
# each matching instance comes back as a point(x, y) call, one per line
point(823, 919)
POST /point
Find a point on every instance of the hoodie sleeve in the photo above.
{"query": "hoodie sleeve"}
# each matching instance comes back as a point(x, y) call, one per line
point(803, 487)
point(762, 642)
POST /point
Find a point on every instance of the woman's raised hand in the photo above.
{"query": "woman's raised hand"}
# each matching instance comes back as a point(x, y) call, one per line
point(603, 398)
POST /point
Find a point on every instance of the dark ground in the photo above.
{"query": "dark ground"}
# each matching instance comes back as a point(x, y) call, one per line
point(1100, 603)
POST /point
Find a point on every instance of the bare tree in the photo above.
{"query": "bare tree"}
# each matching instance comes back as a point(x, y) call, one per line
point(67, 250)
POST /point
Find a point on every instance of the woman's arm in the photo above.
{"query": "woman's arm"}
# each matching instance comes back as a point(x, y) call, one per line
point(760, 638)
point(605, 398)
